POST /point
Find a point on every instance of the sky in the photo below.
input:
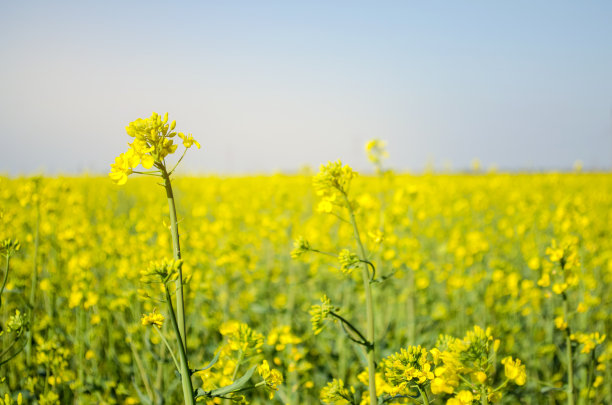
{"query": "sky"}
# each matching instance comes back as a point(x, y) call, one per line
point(270, 86)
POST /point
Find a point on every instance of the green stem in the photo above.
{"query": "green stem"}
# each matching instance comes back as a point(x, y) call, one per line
point(424, 396)
point(163, 338)
point(228, 401)
point(6, 271)
point(240, 358)
point(502, 385)
point(358, 336)
point(141, 370)
point(410, 307)
point(590, 374)
point(184, 367)
point(180, 302)
point(568, 353)
point(369, 307)
point(483, 396)
point(80, 314)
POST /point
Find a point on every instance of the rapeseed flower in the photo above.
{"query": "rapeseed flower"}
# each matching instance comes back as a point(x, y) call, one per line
point(153, 318)
point(514, 370)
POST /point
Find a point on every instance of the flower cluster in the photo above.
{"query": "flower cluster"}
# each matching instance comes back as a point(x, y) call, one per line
point(9, 247)
point(152, 143)
point(588, 340)
point(272, 378)
point(336, 393)
point(242, 338)
point(348, 261)
point(409, 368)
point(161, 271)
point(319, 313)
point(300, 246)
point(17, 323)
point(153, 318)
point(457, 369)
point(376, 150)
point(332, 184)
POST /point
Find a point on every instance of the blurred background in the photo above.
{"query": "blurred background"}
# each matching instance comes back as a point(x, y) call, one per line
point(274, 85)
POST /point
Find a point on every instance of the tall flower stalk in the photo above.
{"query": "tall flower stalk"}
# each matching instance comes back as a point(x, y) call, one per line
point(332, 184)
point(152, 144)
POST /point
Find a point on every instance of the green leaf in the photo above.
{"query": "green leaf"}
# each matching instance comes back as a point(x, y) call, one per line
point(546, 390)
point(209, 365)
point(236, 385)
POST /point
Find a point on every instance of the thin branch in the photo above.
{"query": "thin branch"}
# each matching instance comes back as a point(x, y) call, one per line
point(364, 341)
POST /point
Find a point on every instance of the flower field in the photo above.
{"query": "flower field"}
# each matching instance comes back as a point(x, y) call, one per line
point(502, 280)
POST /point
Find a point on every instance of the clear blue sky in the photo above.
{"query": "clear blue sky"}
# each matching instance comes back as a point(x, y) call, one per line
point(273, 85)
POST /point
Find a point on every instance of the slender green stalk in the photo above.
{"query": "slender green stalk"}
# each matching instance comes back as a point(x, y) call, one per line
point(228, 401)
point(178, 320)
point(180, 302)
point(483, 396)
point(159, 378)
point(184, 367)
point(369, 307)
point(410, 307)
point(141, 370)
point(357, 336)
point(163, 338)
point(80, 313)
point(32, 300)
point(590, 374)
point(6, 271)
point(424, 396)
point(569, 355)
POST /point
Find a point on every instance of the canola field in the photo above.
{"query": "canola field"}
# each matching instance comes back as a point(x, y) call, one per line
point(484, 288)
point(327, 288)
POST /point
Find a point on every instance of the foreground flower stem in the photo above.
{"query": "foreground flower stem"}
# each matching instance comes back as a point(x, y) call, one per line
point(32, 298)
point(178, 320)
point(180, 302)
point(369, 307)
point(570, 363)
point(184, 365)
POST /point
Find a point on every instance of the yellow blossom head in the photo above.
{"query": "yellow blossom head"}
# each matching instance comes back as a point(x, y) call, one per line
point(152, 144)
point(514, 370)
point(153, 318)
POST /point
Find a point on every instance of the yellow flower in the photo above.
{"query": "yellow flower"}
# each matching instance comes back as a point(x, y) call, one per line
point(241, 337)
point(124, 163)
point(560, 323)
point(463, 397)
point(376, 150)
point(514, 370)
point(153, 318)
point(152, 143)
point(408, 367)
point(480, 377)
point(333, 178)
point(188, 140)
point(440, 385)
point(273, 378)
point(318, 314)
point(336, 393)
point(590, 341)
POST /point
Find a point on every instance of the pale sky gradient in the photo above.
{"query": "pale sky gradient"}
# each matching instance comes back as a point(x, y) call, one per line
point(274, 85)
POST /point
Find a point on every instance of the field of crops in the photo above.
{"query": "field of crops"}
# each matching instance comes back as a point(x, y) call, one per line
point(527, 255)
point(328, 287)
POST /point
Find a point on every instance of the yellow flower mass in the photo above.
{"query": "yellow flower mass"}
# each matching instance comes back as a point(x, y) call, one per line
point(495, 276)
